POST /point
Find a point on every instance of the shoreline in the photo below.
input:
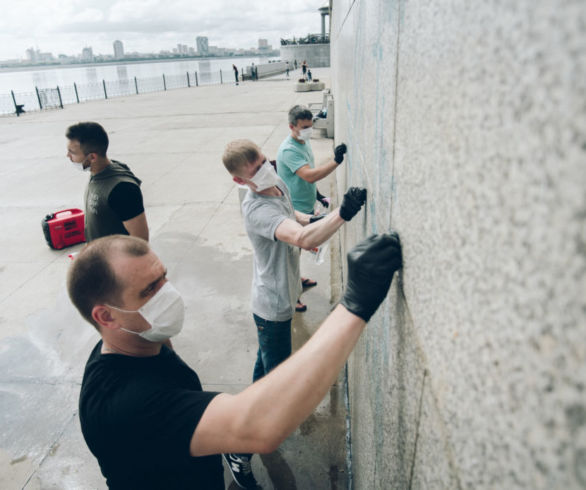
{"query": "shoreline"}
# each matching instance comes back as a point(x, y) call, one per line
point(7, 69)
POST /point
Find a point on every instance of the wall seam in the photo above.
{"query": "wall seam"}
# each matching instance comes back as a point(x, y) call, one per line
point(396, 104)
point(345, 18)
point(411, 472)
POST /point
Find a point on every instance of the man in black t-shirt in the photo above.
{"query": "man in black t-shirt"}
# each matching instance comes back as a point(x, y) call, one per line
point(142, 410)
point(113, 200)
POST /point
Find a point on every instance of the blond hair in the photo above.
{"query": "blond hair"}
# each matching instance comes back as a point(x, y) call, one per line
point(239, 153)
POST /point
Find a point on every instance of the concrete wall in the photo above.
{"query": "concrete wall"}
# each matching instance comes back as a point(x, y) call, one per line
point(316, 55)
point(466, 121)
point(267, 69)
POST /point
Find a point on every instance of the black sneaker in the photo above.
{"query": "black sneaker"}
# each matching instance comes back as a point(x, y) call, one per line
point(239, 466)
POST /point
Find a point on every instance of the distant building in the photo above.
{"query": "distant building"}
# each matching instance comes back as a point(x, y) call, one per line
point(264, 47)
point(45, 57)
point(118, 50)
point(35, 56)
point(31, 55)
point(202, 45)
point(182, 49)
point(87, 54)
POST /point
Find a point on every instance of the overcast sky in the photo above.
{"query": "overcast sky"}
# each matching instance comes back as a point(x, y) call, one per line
point(66, 26)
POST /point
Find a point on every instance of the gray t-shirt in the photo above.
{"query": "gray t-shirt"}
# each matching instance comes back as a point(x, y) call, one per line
point(276, 283)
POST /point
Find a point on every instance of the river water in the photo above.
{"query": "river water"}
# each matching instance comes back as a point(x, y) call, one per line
point(208, 70)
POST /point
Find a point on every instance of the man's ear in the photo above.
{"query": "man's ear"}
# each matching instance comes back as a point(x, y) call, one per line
point(238, 180)
point(103, 317)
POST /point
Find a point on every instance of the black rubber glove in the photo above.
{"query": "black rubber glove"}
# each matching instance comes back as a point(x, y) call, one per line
point(371, 265)
point(313, 219)
point(339, 153)
point(321, 198)
point(352, 202)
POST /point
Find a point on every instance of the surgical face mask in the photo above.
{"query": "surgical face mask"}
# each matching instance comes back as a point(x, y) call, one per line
point(80, 167)
point(265, 177)
point(305, 134)
point(164, 312)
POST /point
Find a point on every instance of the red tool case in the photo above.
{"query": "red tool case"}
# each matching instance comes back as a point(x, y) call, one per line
point(64, 228)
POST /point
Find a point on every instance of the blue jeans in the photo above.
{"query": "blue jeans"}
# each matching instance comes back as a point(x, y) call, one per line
point(274, 345)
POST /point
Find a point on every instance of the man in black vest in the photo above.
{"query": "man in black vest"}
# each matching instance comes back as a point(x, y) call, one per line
point(113, 200)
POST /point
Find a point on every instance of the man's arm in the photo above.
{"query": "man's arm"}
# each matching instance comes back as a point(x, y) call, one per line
point(260, 418)
point(126, 201)
point(302, 218)
point(312, 175)
point(314, 234)
point(311, 235)
point(138, 226)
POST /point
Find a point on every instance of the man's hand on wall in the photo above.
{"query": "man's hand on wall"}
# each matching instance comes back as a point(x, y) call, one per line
point(371, 265)
point(339, 153)
point(352, 202)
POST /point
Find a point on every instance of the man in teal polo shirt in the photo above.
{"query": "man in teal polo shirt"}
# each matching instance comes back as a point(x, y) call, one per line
point(296, 167)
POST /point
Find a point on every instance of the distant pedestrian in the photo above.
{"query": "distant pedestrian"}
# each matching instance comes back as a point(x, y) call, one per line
point(295, 64)
point(235, 73)
point(304, 68)
point(309, 74)
point(287, 69)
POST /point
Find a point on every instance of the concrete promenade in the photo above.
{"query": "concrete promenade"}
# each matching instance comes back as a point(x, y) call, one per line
point(173, 141)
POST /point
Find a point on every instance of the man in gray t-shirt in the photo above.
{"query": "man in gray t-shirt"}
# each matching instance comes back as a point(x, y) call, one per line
point(276, 231)
point(275, 282)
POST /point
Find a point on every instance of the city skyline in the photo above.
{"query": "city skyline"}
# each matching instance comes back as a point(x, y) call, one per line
point(201, 48)
point(148, 26)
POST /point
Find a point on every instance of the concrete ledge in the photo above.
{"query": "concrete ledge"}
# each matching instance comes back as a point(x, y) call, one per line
point(309, 86)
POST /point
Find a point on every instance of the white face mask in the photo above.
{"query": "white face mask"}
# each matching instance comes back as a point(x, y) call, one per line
point(80, 167)
point(305, 134)
point(164, 312)
point(265, 177)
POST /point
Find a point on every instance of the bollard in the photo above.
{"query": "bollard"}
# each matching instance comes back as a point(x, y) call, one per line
point(16, 106)
point(221, 80)
point(136, 85)
point(196, 82)
point(60, 99)
point(39, 98)
point(164, 83)
point(188, 85)
point(76, 94)
point(105, 93)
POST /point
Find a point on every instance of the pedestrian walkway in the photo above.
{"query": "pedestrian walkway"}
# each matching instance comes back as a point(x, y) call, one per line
point(173, 141)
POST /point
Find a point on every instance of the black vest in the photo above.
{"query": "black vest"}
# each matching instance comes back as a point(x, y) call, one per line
point(100, 219)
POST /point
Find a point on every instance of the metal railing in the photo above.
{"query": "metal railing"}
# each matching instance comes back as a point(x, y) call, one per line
point(55, 98)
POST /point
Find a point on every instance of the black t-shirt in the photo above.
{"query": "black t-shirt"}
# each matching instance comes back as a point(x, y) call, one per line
point(138, 415)
point(126, 201)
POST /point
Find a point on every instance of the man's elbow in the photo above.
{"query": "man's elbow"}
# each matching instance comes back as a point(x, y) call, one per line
point(270, 438)
point(308, 177)
point(301, 240)
point(269, 445)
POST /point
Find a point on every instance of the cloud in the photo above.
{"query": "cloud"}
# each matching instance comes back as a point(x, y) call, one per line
point(68, 25)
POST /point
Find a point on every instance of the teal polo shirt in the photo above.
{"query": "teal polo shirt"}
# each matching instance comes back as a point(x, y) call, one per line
point(291, 157)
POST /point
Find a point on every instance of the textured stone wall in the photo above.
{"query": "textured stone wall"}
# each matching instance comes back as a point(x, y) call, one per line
point(466, 121)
